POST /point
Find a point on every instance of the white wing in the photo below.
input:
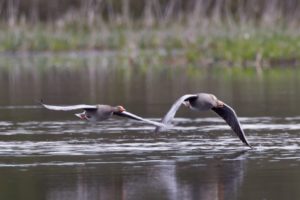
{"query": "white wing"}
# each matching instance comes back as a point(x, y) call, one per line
point(135, 117)
point(171, 113)
point(68, 108)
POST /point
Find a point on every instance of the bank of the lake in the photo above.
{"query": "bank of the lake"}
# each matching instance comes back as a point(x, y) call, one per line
point(227, 45)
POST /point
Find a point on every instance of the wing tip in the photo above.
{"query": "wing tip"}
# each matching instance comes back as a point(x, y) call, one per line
point(247, 144)
point(244, 140)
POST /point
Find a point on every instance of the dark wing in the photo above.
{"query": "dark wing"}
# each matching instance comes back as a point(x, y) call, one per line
point(228, 114)
point(171, 113)
point(68, 108)
point(135, 117)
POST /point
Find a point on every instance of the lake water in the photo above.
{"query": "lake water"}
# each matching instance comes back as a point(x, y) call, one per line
point(53, 155)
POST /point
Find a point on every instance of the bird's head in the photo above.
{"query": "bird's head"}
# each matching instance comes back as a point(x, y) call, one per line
point(120, 109)
point(217, 103)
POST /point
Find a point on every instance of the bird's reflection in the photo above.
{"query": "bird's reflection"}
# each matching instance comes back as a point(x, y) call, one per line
point(217, 178)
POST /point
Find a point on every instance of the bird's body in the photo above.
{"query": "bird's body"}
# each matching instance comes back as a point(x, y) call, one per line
point(204, 102)
point(100, 112)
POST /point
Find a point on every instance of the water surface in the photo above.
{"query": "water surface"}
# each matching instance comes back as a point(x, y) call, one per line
point(52, 155)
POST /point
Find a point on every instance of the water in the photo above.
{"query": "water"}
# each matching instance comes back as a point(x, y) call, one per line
point(53, 155)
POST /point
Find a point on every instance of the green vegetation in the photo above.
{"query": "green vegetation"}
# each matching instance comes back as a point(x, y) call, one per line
point(197, 32)
point(240, 48)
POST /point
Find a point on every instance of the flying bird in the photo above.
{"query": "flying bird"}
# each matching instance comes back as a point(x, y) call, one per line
point(204, 102)
point(100, 112)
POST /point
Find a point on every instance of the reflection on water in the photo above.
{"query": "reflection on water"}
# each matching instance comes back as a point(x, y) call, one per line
point(122, 164)
point(146, 90)
point(118, 138)
point(53, 155)
point(151, 181)
point(112, 160)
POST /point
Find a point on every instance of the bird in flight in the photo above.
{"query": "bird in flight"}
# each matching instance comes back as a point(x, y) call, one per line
point(100, 112)
point(204, 102)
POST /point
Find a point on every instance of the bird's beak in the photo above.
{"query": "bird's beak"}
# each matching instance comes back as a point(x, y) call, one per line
point(122, 109)
point(220, 104)
point(81, 116)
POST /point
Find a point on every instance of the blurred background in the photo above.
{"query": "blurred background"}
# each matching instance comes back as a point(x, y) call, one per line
point(148, 53)
point(238, 32)
point(261, 12)
point(144, 54)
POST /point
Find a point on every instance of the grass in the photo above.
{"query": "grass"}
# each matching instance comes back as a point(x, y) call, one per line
point(236, 46)
point(232, 33)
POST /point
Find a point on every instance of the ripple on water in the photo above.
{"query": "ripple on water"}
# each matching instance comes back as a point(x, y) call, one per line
point(128, 141)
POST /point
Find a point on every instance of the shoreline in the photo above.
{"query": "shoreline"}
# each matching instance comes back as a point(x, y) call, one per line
point(256, 46)
point(174, 57)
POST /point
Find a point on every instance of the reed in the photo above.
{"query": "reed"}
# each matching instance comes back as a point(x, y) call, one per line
point(205, 31)
point(152, 12)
